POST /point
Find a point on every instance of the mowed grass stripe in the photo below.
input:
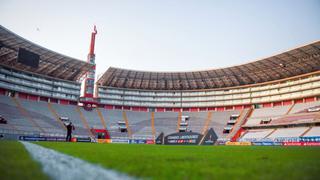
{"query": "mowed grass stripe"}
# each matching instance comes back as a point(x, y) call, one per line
point(59, 166)
point(16, 163)
point(200, 162)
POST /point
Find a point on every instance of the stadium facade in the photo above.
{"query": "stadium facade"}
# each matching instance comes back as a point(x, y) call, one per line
point(255, 100)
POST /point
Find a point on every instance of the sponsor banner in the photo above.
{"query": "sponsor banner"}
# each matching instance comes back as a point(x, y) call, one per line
point(287, 139)
point(32, 138)
point(44, 138)
point(257, 143)
point(298, 139)
point(310, 139)
point(183, 138)
point(83, 139)
point(266, 143)
point(103, 140)
point(221, 143)
point(238, 143)
point(160, 138)
point(277, 143)
point(123, 141)
point(137, 141)
point(149, 141)
point(210, 138)
point(301, 143)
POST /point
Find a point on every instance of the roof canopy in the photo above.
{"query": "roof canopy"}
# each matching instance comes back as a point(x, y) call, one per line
point(302, 60)
point(51, 63)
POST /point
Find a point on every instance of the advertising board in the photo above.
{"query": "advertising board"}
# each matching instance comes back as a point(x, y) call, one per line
point(301, 143)
point(183, 138)
point(238, 143)
point(121, 141)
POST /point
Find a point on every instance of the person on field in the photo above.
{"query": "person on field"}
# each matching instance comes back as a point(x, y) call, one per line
point(69, 127)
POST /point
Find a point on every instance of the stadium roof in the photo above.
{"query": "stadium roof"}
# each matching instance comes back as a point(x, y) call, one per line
point(51, 63)
point(302, 60)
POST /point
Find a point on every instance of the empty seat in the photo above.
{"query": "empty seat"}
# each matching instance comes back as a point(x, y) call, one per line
point(257, 134)
point(314, 131)
point(288, 132)
point(303, 106)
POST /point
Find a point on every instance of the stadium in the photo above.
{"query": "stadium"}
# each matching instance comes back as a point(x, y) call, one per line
point(180, 125)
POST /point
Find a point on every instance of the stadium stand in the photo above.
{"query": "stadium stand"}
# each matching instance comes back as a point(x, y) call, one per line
point(102, 119)
point(265, 114)
point(2, 120)
point(296, 119)
point(94, 122)
point(165, 122)
point(112, 118)
point(314, 131)
point(197, 120)
point(304, 106)
point(52, 64)
point(40, 114)
point(270, 112)
point(251, 135)
point(279, 80)
point(241, 120)
point(268, 98)
point(287, 132)
point(252, 73)
point(297, 123)
point(16, 121)
point(71, 112)
point(220, 120)
point(280, 133)
point(140, 124)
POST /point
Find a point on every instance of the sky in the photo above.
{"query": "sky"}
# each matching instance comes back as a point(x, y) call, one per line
point(166, 35)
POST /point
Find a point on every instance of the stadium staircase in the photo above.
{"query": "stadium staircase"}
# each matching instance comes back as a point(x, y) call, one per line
point(56, 116)
point(239, 122)
point(103, 122)
point(179, 121)
point(84, 121)
point(304, 133)
point(152, 125)
point(243, 134)
point(13, 127)
point(270, 133)
point(237, 133)
point(25, 114)
point(207, 123)
point(125, 118)
point(288, 112)
point(204, 135)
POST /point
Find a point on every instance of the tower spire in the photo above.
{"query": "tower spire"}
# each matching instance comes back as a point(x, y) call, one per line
point(93, 39)
point(89, 79)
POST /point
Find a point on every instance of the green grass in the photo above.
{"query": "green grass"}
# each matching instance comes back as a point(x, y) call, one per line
point(200, 162)
point(173, 162)
point(16, 163)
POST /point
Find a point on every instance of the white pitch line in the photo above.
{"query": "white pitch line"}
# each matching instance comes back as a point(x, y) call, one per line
point(61, 166)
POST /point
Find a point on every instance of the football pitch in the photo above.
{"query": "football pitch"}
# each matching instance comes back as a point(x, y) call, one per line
point(173, 162)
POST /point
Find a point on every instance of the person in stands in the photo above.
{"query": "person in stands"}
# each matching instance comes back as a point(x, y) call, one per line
point(70, 128)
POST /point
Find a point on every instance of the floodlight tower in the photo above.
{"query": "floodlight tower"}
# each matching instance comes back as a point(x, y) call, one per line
point(89, 79)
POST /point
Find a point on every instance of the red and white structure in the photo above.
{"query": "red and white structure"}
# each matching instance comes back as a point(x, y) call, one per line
point(87, 98)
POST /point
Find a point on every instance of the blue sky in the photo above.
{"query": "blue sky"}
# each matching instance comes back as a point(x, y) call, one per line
point(167, 35)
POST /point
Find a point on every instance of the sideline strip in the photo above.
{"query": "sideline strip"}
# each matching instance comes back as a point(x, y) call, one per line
point(61, 166)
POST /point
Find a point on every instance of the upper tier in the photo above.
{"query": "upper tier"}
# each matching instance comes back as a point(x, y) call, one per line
point(51, 63)
point(291, 63)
